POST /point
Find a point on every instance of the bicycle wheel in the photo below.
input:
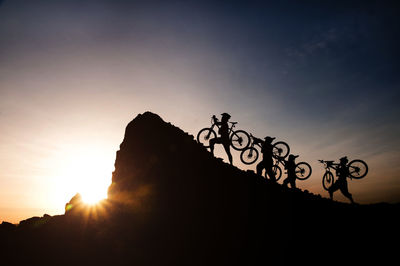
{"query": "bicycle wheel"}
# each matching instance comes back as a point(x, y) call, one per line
point(358, 169)
point(327, 180)
point(303, 171)
point(249, 155)
point(205, 135)
point(281, 150)
point(240, 140)
point(277, 172)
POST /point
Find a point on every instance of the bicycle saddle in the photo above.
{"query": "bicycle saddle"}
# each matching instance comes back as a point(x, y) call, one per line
point(233, 123)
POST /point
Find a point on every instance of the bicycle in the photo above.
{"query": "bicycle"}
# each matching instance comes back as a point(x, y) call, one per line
point(250, 154)
point(303, 169)
point(239, 139)
point(280, 152)
point(357, 170)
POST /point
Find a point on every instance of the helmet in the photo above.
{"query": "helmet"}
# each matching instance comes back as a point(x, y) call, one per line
point(344, 159)
point(226, 115)
point(269, 139)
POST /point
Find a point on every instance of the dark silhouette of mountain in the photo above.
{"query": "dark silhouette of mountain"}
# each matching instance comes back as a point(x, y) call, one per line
point(172, 203)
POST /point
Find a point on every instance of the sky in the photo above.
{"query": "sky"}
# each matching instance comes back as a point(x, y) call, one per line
point(322, 76)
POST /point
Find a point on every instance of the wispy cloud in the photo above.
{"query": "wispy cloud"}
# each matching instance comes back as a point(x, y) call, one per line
point(319, 41)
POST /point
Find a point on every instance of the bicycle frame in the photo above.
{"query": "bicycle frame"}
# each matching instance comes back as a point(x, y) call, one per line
point(257, 142)
point(254, 142)
point(328, 176)
point(280, 161)
point(329, 165)
point(238, 139)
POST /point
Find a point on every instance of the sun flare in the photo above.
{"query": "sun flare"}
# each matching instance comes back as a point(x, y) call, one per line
point(92, 194)
point(85, 171)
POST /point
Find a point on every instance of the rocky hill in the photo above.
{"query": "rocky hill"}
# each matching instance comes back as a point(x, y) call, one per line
point(172, 203)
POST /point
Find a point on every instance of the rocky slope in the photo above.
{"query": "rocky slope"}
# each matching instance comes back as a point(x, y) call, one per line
point(172, 203)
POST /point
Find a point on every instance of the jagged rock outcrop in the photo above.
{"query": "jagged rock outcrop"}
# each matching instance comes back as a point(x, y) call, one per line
point(162, 171)
point(74, 203)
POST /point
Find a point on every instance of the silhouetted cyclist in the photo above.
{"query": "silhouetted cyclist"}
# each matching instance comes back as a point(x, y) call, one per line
point(267, 161)
point(290, 166)
point(342, 172)
point(223, 131)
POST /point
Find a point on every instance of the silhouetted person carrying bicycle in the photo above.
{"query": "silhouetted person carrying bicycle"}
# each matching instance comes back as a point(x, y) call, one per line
point(290, 166)
point(342, 171)
point(267, 161)
point(223, 131)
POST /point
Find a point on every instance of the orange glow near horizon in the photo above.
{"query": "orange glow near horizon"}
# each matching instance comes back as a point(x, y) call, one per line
point(84, 171)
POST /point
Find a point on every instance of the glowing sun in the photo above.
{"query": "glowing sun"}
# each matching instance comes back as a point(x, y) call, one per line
point(85, 171)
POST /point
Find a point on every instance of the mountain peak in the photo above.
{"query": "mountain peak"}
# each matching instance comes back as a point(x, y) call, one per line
point(152, 156)
point(148, 116)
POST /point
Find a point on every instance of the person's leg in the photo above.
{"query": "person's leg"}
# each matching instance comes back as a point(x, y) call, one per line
point(260, 167)
point(213, 142)
point(345, 191)
point(293, 182)
point(333, 188)
point(228, 152)
point(285, 182)
point(270, 173)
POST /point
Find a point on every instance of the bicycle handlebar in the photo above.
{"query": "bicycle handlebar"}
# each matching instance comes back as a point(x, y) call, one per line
point(214, 119)
point(329, 164)
point(322, 161)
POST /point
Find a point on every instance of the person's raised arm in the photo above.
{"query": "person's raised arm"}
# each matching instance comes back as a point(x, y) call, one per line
point(216, 121)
